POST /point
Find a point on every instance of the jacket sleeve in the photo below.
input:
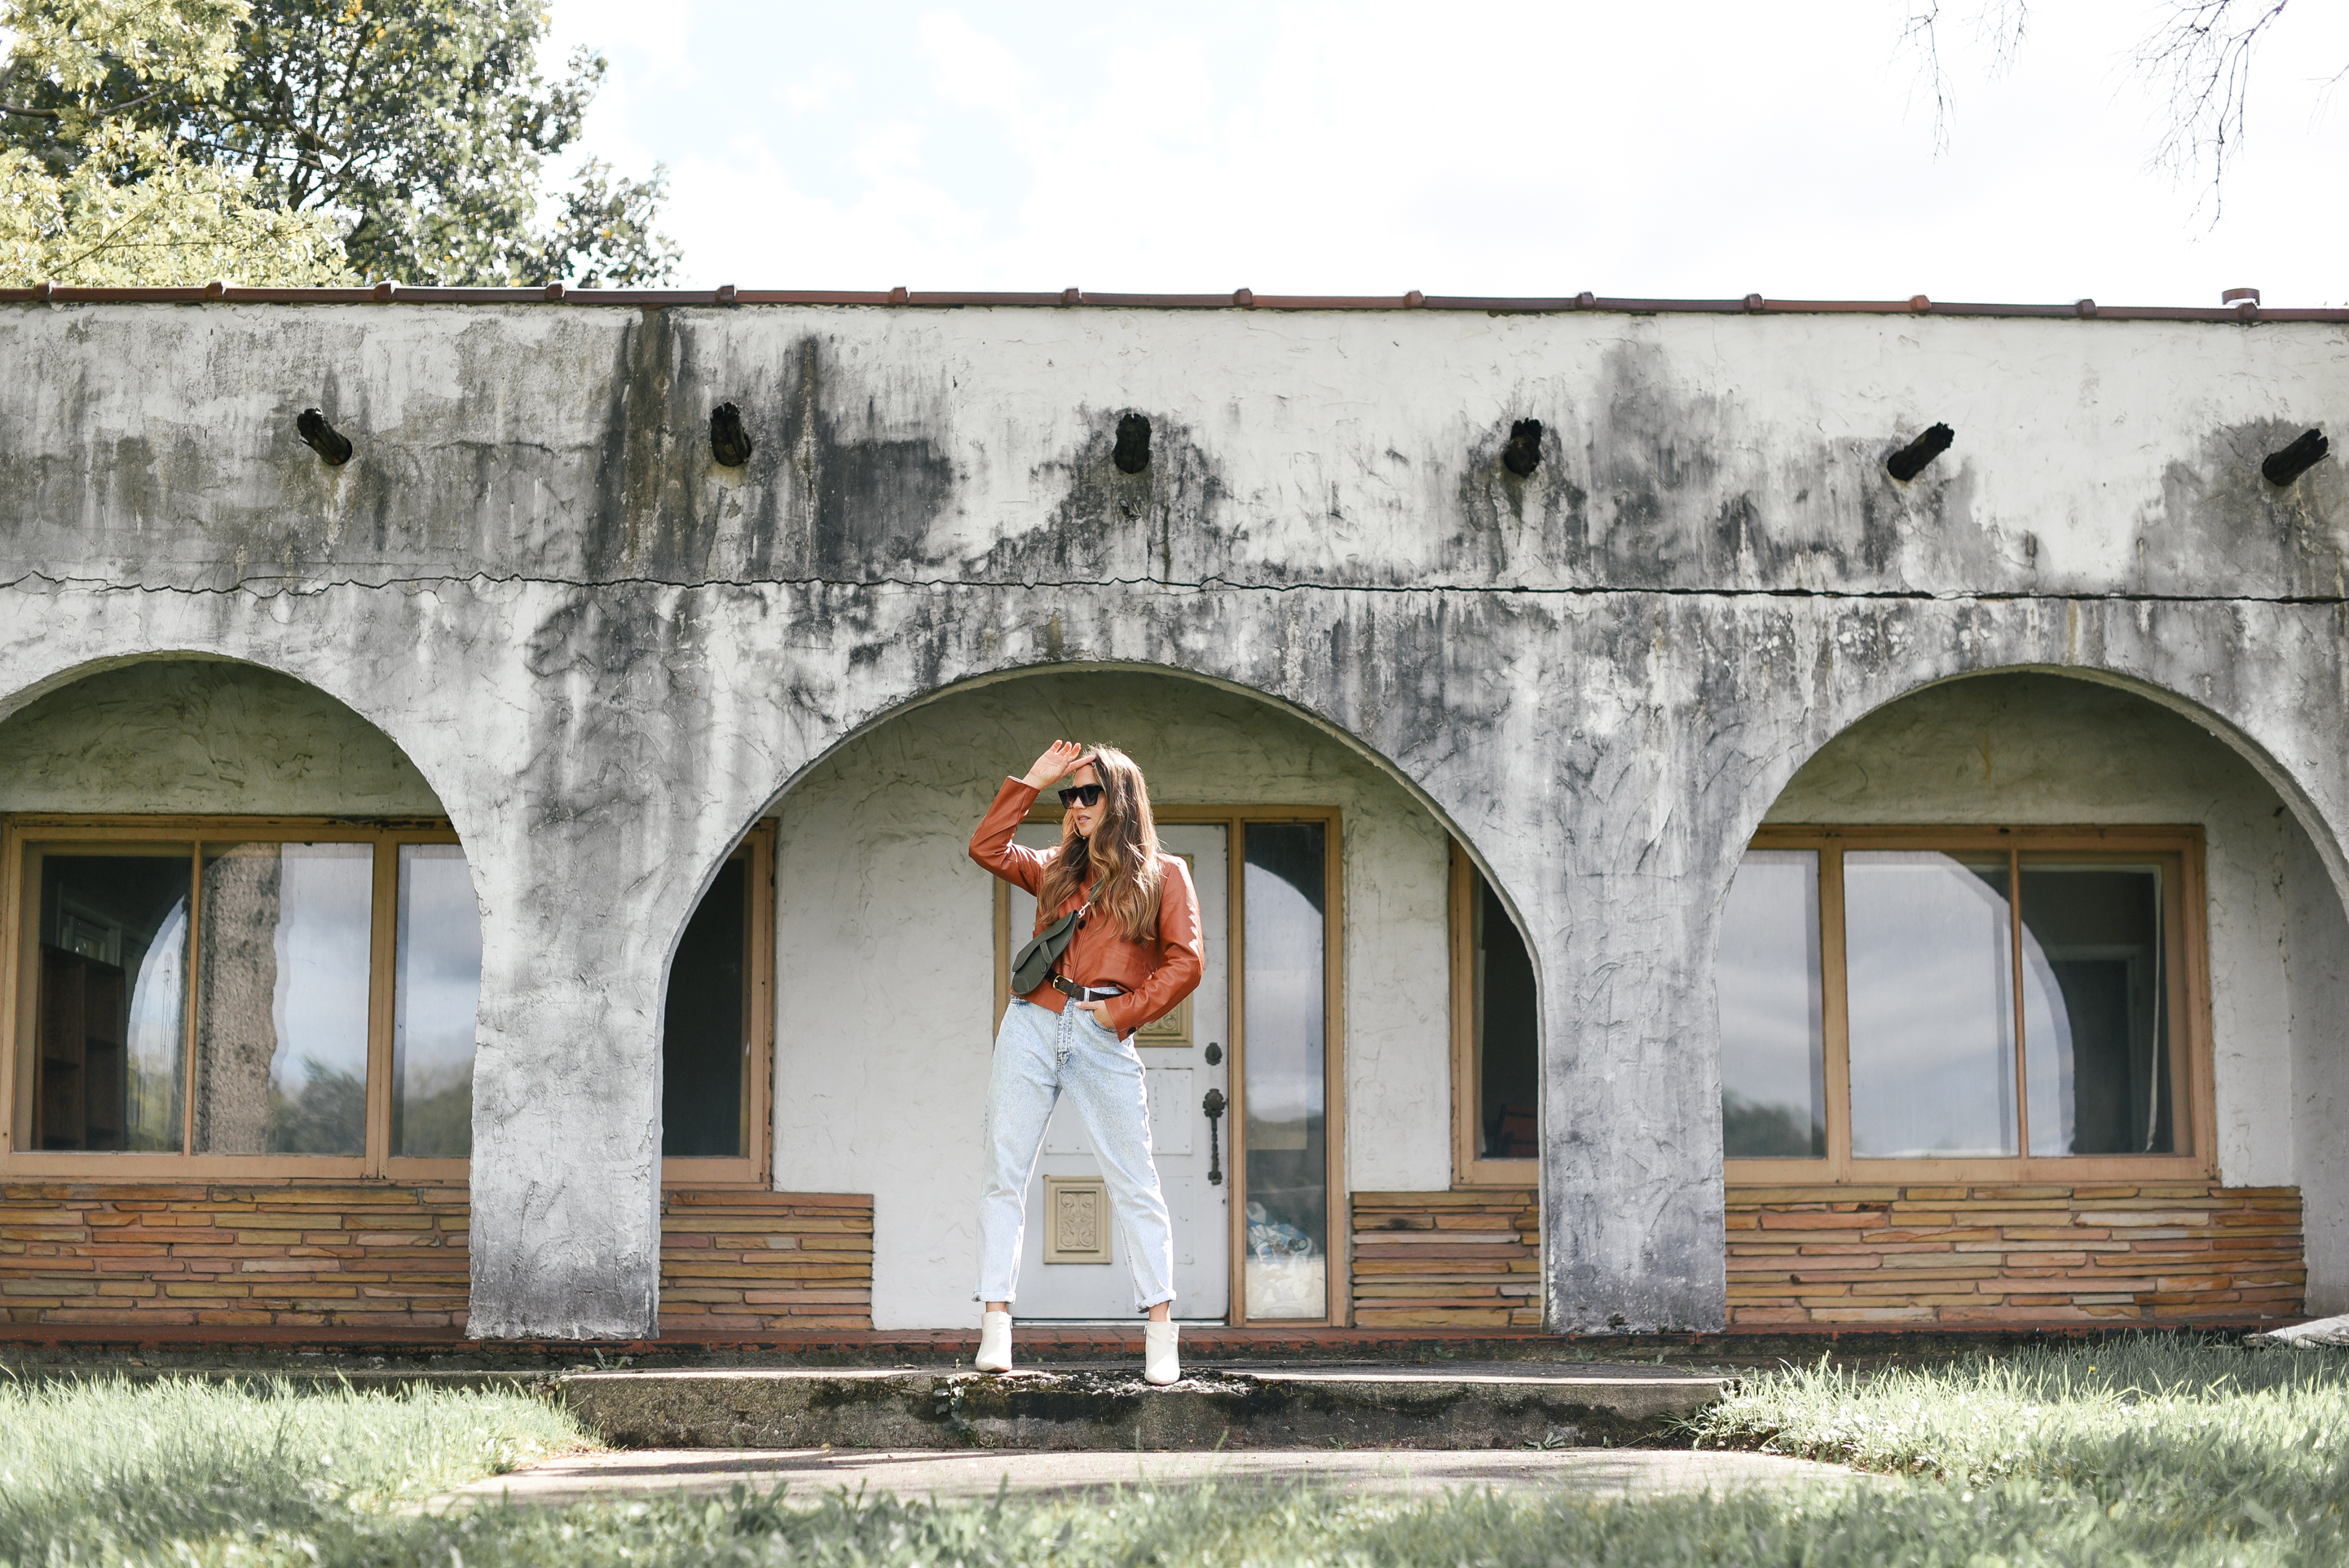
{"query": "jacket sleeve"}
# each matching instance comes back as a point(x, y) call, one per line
point(1181, 957)
point(991, 845)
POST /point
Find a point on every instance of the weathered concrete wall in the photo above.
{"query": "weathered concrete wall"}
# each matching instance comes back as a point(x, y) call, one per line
point(1356, 450)
point(604, 655)
point(193, 736)
point(872, 878)
point(2318, 964)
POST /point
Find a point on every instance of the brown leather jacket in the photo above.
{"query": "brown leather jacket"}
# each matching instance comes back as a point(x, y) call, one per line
point(1156, 975)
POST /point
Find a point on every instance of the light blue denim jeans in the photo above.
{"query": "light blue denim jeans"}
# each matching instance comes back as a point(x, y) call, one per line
point(1040, 1055)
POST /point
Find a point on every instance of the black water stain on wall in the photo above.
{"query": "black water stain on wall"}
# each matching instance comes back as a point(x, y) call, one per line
point(2222, 528)
point(634, 529)
point(863, 502)
point(828, 492)
point(1509, 527)
point(1162, 524)
point(1653, 485)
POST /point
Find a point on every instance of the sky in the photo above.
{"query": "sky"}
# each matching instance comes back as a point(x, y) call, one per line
point(1697, 150)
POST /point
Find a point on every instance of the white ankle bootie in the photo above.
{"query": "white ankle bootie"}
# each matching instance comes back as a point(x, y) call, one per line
point(994, 1342)
point(1159, 1363)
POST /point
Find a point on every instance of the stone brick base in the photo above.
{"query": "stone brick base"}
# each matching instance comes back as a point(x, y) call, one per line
point(1977, 1255)
point(1973, 1256)
point(235, 1254)
point(1467, 1260)
point(341, 1255)
point(766, 1261)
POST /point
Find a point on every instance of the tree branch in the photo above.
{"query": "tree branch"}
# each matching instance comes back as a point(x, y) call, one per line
point(2204, 50)
point(2000, 22)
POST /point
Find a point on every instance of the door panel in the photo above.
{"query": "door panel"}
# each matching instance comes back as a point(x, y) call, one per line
point(1176, 1078)
point(1172, 1110)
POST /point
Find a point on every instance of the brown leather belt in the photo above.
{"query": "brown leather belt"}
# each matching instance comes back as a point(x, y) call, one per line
point(1085, 993)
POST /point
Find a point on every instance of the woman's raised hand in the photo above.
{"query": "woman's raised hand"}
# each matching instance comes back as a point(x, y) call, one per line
point(1054, 764)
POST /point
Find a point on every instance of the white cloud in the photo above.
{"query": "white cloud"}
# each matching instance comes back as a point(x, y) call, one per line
point(971, 69)
point(821, 88)
point(890, 151)
point(1306, 146)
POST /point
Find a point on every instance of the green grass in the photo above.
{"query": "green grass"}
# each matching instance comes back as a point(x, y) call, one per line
point(105, 1471)
point(2153, 1451)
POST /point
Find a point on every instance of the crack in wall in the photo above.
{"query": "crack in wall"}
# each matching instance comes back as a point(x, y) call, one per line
point(281, 587)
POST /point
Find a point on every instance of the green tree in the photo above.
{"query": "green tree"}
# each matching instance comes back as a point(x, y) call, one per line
point(94, 191)
point(420, 130)
point(427, 127)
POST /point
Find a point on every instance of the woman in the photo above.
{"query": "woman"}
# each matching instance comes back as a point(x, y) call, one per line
point(1133, 955)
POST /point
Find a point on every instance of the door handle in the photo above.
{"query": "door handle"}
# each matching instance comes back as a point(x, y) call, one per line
point(1214, 1105)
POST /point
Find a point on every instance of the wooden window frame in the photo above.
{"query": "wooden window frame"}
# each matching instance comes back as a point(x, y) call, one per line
point(756, 1168)
point(1470, 1168)
point(20, 963)
point(1234, 820)
point(2184, 936)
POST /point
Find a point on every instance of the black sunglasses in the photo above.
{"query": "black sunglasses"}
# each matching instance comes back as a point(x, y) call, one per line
point(1080, 795)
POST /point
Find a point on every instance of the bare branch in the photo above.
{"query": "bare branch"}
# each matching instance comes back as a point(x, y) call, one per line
point(2204, 52)
point(2005, 22)
point(1999, 23)
point(1922, 33)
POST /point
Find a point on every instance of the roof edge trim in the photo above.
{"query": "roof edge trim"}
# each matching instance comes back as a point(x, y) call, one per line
point(729, 297)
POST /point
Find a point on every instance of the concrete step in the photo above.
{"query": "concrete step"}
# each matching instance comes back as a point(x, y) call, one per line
point(1500, 1404)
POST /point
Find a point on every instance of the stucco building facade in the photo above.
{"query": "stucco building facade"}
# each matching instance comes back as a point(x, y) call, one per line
point(1661, 870)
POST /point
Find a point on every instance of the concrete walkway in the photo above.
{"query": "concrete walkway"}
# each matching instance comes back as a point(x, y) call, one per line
point(961, 1475)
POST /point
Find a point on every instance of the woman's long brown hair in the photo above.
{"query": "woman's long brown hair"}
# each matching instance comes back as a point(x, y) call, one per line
point(1122, 853)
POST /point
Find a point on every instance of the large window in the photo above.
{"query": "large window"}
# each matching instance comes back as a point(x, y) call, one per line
point(1496, 1038)
point(238, 995)
point(715, 1027)
point(1898, 1002)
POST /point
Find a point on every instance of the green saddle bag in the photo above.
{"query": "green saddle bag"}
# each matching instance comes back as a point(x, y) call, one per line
point(1033, 965)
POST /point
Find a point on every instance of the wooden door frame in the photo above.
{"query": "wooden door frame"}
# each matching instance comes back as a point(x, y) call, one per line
point(1338, 1245)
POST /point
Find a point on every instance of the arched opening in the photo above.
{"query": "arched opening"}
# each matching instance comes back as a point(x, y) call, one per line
point(1326, 1025)
point(248, 948)
point(2022, 984)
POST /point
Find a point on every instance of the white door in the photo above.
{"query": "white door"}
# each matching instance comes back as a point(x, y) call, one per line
point(1183, 1058)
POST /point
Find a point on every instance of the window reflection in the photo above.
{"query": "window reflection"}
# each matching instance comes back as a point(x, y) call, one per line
point(1287, 1160)
point(112, 1008)
point(218, 997)
point(283, 940)
point(438, 995)
point(1929, 957)
point(2095, 1023)
point(1773, 1047)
